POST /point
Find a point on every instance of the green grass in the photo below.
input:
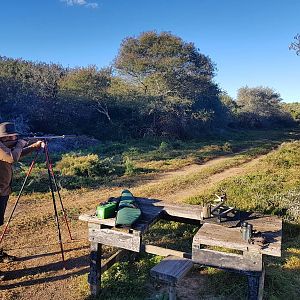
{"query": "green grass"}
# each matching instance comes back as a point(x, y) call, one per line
point(127, 280)
point(272, 186)
point(200, 177)
point(117, 162)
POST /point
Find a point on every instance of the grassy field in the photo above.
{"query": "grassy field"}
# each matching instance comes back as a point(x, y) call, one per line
point(110, 163)
point(270, 185)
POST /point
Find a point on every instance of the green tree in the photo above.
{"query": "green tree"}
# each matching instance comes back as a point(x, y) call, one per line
point(293, 109)
point(230, 107)
point(90, 84)
point(173, 77)
point(28, 89)
point(260, 106)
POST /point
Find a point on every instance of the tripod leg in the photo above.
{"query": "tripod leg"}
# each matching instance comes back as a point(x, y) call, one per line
point(57, 189)
point(19, 196)
point(55, 208)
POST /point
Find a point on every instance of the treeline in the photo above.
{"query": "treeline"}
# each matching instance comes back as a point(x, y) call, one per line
point(158, 85)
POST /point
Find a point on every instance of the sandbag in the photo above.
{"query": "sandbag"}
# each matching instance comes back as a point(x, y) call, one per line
point(128, 211)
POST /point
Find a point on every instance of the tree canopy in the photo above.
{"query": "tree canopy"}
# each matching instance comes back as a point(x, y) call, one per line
point(260, 107)
point(174, 77)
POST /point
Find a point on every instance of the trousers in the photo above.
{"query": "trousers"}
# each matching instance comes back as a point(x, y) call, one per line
point(3, 203)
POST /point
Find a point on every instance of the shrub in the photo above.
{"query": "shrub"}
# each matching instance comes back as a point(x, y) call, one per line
point(129, 166)
point(163, 147)
point(87, 165)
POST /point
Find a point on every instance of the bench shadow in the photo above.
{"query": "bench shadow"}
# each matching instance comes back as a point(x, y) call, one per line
point(73, 263)
point(25, 258)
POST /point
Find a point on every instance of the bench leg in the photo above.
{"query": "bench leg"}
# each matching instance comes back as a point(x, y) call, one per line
point(256, 286)
point(172, 292)
point(95, 269)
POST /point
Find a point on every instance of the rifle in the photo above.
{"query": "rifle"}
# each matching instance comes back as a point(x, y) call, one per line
point(32, 139)
point(48, 137)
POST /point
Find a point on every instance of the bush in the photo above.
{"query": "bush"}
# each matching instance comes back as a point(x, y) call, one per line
point(164, 146)
point(129, 166)
point(86, 166)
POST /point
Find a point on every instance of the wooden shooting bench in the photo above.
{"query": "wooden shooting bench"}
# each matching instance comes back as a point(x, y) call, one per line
point(212, 233)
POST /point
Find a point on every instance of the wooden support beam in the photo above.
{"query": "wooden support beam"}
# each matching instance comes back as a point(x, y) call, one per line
point(113, 259)
point(115, 238)
point(94, 277)
point(164, 251)
point(168, 217)
point(228, 261)
point(256, 286)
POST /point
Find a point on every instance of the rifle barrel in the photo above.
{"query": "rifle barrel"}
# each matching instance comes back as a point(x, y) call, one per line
point(50, 137)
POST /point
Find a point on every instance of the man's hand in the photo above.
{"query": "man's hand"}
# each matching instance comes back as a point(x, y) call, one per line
point(39, 145)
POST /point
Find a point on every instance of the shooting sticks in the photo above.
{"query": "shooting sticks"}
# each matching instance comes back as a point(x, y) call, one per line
point(52, 184)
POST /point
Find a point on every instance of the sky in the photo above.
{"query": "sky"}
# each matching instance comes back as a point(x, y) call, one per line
point(248, 40)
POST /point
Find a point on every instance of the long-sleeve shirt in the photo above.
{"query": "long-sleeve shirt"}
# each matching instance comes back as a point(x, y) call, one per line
point(7, 158)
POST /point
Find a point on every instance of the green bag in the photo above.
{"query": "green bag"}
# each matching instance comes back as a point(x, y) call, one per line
point(107, 210)
point(128, 211)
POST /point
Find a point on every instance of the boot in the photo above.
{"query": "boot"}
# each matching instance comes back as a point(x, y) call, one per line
point(2, 276)
point(4, 257)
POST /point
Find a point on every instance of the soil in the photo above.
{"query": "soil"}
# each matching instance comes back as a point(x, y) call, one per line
point(39, 272)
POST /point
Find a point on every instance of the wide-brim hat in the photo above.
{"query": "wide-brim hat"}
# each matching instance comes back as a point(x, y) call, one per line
point(8, 129)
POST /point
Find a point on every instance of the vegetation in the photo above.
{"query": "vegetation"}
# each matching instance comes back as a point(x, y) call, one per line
point(111, 163)
point(296, 44)
point(272, 189)
point(158, 86)
point(293, 109)
point(270, 186)
point(259, 107)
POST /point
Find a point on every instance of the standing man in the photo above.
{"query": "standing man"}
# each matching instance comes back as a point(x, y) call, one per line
point(11, 149)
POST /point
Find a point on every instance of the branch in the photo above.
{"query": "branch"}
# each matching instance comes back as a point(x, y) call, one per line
point(296, 45)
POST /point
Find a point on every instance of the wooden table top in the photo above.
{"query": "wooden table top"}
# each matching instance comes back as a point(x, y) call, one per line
point(231, 238)
point(151, 210)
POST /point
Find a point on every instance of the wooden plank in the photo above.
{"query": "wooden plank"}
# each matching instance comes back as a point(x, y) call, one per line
point(164, 251)
point(147, 219)
point(92, 218)
point(231, 238)
point(113, 259)
point(167, 217)
point(222, 260)
point(256, 286)
point(177, 210)
point(115, 238)
point(94, 277)
point(171, 269)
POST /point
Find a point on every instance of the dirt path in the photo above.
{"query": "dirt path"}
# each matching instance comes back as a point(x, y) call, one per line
point(38, 274)
point(213, 180)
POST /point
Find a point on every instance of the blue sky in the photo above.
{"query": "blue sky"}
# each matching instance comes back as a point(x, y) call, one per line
point(248, 40)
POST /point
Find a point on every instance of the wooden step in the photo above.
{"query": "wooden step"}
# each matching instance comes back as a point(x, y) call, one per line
point(171, 269)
